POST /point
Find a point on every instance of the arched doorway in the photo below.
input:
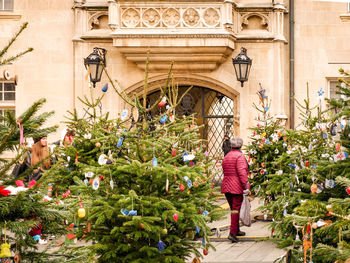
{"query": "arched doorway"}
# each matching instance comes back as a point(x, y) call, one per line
point(214, 111)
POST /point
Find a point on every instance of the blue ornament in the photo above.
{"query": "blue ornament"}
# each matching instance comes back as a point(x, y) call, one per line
point(205, 213)
point(203, 242)
point(124, 114)
point(324, 135)
point(189, 183)
point(133, 213)
point(198, 229)
point(314, 166)
point(266, 108)
point(120, 142)
point(267, 141)
point(292, 165)
point(320, 92)
point(262, 93)
point(291, 186)
point(124, 212)
point(346, 155)
point(154, 162)
point(105, 87)
point(184, 159)
point(160, 245)
point(163, 119)
point(36, 238)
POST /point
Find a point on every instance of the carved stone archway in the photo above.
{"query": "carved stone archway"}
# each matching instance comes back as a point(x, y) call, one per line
point(215, 105)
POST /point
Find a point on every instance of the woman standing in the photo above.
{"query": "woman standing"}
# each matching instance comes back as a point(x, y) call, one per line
point(40, 158)
point(235, 180)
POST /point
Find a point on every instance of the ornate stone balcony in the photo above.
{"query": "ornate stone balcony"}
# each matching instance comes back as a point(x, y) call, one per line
point(198, 35)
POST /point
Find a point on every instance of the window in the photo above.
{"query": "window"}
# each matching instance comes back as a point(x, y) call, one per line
point(6, 5)
point(333, 89)
point(7, 97)
point(7, 91)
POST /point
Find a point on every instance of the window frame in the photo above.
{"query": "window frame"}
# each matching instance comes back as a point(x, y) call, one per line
point(7, 104)
point(2, 6)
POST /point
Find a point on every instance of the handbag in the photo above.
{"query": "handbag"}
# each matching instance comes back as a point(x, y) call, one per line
point(244, 213)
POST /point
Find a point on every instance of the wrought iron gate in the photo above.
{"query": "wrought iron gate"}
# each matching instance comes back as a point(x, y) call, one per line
point(215, 111)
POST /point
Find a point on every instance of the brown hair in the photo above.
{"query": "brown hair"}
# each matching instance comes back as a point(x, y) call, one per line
point(39, 153)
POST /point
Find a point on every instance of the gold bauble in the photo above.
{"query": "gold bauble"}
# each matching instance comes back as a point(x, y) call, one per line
point(81, 212)
point(98, 144)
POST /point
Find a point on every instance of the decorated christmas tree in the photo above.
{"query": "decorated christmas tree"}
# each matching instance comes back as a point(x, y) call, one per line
point(140, 185)
point(21, 207)
point(265, 147)
point(305, 187)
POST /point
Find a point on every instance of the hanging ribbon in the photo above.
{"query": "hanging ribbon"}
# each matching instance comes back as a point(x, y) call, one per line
point(21, 137)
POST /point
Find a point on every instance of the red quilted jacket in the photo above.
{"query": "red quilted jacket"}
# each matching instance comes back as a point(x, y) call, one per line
point(235, 173)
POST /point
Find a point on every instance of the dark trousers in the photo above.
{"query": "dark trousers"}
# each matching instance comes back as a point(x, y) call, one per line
point(235, 202)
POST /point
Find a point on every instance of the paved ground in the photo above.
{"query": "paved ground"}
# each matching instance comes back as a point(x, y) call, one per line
point(245, 251)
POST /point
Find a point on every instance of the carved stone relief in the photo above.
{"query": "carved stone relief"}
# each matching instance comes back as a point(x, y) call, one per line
point(171, 17)
point(180, 17)
point(151, 17)
point(98, 20)
point(255, 21)
point(131, 17)
point(191, 17)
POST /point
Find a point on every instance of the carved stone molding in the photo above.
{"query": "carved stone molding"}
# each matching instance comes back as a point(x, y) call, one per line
point(173, 17)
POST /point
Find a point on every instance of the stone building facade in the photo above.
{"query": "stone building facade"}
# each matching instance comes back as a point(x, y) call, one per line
point(200, 36)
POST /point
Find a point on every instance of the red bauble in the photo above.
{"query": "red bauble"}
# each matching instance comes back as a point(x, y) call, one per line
point(173, 152)
point(182, 187)
point(161, 104)
point(101, 177)
point(348, 190)
point(205, 252)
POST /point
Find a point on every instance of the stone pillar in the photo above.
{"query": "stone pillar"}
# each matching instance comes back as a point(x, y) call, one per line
point(113, 14)
point(227, 15)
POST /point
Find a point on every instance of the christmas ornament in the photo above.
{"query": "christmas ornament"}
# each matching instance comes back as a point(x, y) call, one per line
point(324, 135)
point(175, 216)
point(182, 187)
point(205, 213)
point(192, 163)
point(198, 229)
point(98, 145)
point(206, 153)
point(133, 213)
point(17, 258)
point(86, 181)
point(163, 119)
point(173, 152)
point(120, 142)
point(89, 174)
point(96, 183)
point(165, 231)
point(266, 108)
point(81, 211)
point(5, 250)
point(188, 157)
point(154, 162)
point(337, 147)
point(124, 212)
point(313, 188)
point(277, 151)
point(102, 159)
point(4, 192)
point(196, 260)
point(124, 114)
point(319, 188)
point(111, 183)
point(87, 136)
point(160, 245)
point(172, 118)
point(205, 252)
point(189, 183)
point(162, 102)
point(320, 93)
point(105, 87)
point(348, 190)
point(167, 184)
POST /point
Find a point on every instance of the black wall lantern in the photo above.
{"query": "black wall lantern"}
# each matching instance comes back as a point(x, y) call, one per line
point(242, 64)
point(93, 63)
